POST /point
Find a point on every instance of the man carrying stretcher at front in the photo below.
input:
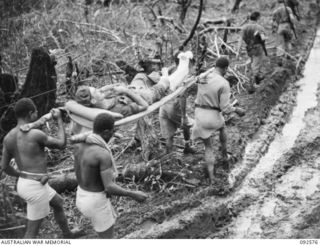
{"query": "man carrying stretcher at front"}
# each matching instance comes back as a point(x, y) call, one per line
point(134, 99)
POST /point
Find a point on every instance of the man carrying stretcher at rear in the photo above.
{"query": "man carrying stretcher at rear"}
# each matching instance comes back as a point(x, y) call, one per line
point(27, 148)
point(134, 99)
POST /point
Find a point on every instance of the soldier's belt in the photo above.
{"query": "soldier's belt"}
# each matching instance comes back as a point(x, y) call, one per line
point(207, 107)
point(42, 178)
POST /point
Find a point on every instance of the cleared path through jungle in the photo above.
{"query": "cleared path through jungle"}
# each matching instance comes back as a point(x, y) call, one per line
point(280, 195)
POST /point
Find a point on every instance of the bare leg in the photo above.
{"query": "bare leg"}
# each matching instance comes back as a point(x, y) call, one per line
point(107, 234)
point(251, 88)
point(57, 204)
point(209, 157)
point(186, 133)
point(187, 147)
point(32, 228)
point(223, 141)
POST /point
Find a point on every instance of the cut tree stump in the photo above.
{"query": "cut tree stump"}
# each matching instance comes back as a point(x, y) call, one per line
point(147, 136)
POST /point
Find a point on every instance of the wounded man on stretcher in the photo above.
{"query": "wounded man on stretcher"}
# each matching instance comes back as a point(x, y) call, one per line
point(134, 98)
point(123, 101)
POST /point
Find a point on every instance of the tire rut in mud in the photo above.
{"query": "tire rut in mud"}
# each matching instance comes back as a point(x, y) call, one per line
point(287, 205)
point(215, 214)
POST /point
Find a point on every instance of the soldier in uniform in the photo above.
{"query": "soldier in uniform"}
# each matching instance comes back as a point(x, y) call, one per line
point(282, 20)
point(253, 35)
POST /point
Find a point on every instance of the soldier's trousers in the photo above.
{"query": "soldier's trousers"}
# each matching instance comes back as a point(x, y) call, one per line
point(284, 39)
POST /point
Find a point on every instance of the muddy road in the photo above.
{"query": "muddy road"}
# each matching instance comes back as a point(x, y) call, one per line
point(285, 185)
point(279, 197)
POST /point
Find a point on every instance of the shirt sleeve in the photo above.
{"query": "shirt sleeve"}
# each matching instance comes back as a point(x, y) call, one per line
point(225, 94)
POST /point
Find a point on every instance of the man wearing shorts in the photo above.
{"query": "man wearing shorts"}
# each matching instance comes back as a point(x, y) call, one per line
point(27, 148)
point(95, 171)
point(213, 100)
point(172, 116)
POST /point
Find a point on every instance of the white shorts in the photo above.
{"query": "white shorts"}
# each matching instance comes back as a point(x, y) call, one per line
point(97, 207)
point(37, 197)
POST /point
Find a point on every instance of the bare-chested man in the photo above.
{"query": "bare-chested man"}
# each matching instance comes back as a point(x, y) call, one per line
point(95, 171)
point(27, 148)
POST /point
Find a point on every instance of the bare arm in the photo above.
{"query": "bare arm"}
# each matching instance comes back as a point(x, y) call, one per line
point(225, 104)
point(112, 188)
point(5, 163)
point(62, 139)
point(36, 124)
point(143, 105)
point(51, 142)
point(106, 88)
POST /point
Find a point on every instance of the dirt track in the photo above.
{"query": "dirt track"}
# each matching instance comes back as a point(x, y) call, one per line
point(276, 196)
point(285, 184)
point(279, 197)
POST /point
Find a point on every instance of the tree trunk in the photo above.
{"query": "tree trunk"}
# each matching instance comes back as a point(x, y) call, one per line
point(184, 4)
point(41, 81)
point(147, 136)
point(236, 5)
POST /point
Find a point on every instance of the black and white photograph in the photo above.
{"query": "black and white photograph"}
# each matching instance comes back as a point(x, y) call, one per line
point(159, 119)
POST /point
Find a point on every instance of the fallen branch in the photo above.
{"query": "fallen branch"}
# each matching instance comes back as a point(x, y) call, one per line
point(289, 55)
point(216, 44)
point(170, 20)
point(245, 78)
point(214, 28)
point(227, 46)
point(122, 151)
point(61, 171)
point(181, 184)
point(239, 84)
point(216, 21)
point(104, 30)
point(212, 52)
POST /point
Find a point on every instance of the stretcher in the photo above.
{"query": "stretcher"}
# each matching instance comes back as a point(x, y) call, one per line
point(82, 117)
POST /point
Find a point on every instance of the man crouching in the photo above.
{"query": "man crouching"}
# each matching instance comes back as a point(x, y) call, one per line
point(95, 171)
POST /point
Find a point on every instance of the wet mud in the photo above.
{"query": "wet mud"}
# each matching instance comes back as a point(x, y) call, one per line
point(272, 192)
